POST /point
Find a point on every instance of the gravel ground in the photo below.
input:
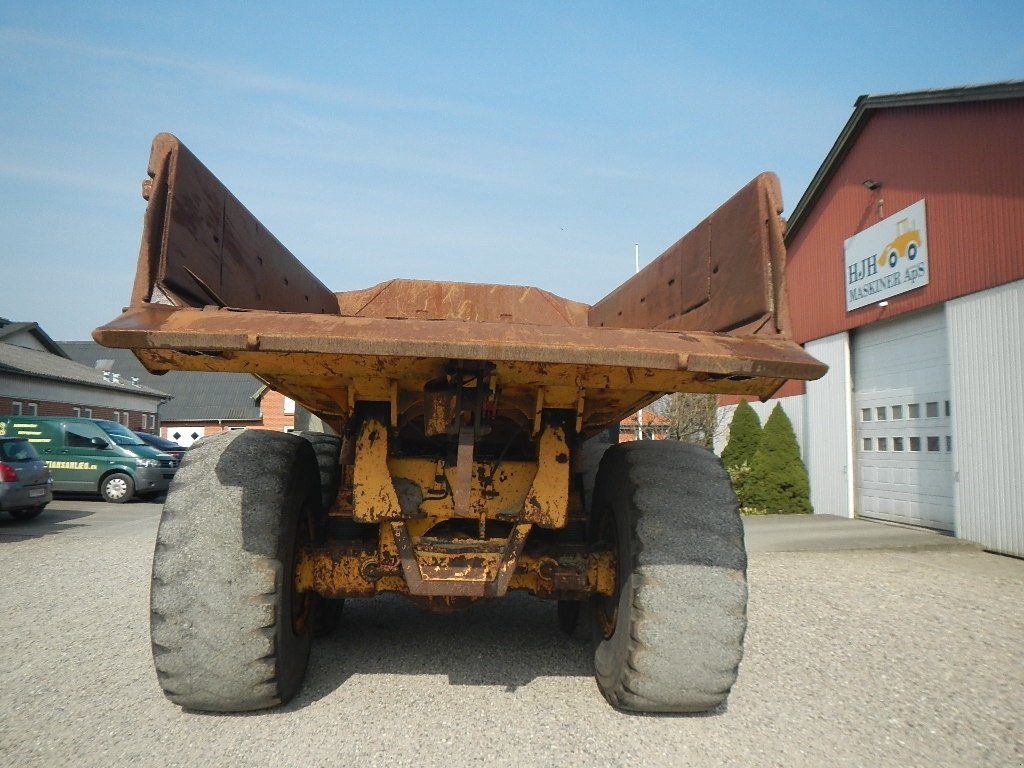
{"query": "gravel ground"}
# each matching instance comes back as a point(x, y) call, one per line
point(853, 658)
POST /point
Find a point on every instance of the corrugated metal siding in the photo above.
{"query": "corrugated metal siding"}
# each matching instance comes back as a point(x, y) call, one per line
point(986, 333)
point(966, 161)
point(725, 414)
point(827, 441)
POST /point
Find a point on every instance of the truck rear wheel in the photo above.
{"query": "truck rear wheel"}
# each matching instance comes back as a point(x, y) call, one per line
point(229, 631)
point(327, 449)
point(671, 639)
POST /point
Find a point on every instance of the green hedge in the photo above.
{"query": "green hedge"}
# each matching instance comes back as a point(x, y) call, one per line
point(744, 437)
point(776, 482)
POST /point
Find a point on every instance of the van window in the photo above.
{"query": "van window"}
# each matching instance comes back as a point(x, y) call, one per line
point(119, 434)
point(81, 435)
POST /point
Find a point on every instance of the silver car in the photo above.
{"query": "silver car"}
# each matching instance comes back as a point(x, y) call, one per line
point(25, 483)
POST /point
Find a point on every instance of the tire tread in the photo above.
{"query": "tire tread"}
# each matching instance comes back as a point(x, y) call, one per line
point(687, 576)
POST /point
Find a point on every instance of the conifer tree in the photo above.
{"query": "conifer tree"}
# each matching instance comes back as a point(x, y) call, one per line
point(777, 482)
point(744, 437)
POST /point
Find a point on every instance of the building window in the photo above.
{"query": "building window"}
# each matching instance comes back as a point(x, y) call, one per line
point(289, 429)
point(117, 416)
point(933, 444)
point(949, 444)
point(947, 408)
point(897, 412)
point(931, 410)
point(914, 410)
point(881, 413)
point(865, 414)
point(883, 444)
point(124, 418)
point(88, 413)
point(16, 408)
point(33, 409)
point(152, 421)
point(915, 444)
point(897, 443)
point(289, 405)
point(867, 444)
point(77, 412)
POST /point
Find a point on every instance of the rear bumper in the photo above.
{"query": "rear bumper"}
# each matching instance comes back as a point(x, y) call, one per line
point(15, 496)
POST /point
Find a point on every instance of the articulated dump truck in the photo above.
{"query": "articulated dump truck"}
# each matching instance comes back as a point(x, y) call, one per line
point(466, 448)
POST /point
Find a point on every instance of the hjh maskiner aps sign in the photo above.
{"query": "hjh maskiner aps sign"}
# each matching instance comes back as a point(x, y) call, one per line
point(887, 259)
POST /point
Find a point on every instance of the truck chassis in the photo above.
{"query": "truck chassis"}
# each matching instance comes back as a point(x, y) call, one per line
point(463, 452)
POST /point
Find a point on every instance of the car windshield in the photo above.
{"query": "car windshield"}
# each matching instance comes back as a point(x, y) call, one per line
point(120, 435)
point(156, 440)
point(18, 450)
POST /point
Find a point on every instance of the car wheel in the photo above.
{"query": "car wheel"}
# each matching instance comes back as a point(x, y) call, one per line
point(117, 488)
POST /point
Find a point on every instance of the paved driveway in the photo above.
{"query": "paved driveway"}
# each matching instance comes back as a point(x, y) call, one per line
point(869, 654)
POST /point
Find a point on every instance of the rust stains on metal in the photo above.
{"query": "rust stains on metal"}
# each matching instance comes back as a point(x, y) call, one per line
point(547, 502)
point(197, 235)
point(373, 492)
point(725, 275)
point(328, 362)
point(346, 570)
point(465, 302)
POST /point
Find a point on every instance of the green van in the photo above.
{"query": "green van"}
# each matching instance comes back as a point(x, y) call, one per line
point(94, 456)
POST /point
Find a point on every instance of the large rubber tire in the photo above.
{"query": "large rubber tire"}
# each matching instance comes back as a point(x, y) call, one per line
point(327, 449)
point(327, 615)
point(671, 640)
point(229, 631)
point(117, 488)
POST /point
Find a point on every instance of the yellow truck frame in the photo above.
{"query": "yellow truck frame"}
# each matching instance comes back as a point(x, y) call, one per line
point(463, 450)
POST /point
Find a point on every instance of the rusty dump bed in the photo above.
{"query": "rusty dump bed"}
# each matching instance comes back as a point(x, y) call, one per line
point(215, 291)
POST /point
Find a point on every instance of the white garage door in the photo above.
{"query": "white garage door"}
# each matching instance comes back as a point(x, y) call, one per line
point(904, 441)
point(184, 436)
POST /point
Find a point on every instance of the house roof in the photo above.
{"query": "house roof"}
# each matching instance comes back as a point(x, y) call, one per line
point(10, 329)
point(863, 109)
point(44, 365)
point(198, 396)
point(651, 419)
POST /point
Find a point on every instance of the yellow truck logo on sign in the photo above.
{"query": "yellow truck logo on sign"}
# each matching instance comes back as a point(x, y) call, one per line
point(907, 243)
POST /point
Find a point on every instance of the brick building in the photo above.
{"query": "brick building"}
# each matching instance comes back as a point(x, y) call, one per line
point(38, 379)
point(202, 403)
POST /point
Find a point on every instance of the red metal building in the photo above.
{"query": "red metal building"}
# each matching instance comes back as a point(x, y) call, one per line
point(906, 275)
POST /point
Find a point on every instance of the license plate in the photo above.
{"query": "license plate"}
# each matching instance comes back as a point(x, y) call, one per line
point(36, 492)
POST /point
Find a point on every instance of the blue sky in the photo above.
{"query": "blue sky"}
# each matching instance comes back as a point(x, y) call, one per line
point(526, 143)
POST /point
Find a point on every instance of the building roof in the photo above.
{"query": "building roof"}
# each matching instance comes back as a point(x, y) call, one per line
point(43, 365)
point(651, 419)
point(198, 396)
point(9, 330)
point(863, 109)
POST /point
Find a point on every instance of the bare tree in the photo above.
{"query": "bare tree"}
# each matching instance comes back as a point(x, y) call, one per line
point(694, 417)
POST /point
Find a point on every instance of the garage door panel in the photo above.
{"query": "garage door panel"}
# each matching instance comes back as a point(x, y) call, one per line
point(902, 411)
